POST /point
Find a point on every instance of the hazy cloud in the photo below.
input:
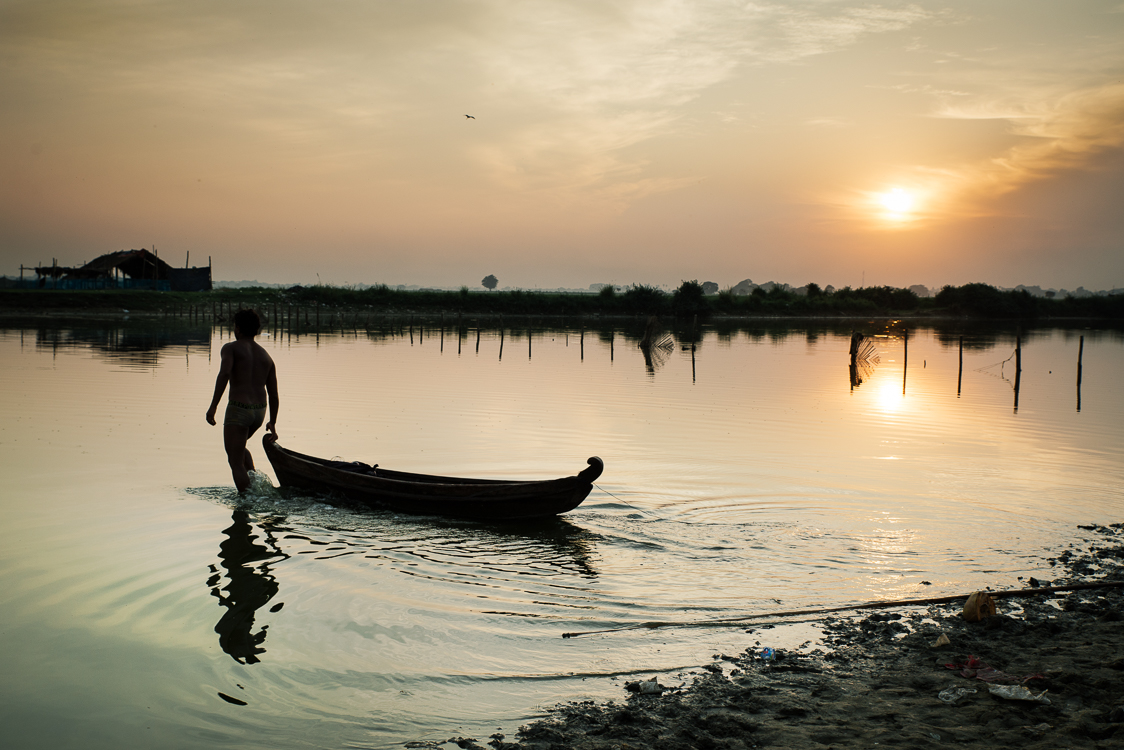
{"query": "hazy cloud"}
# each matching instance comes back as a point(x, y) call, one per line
point(609, 77)
point(1067, 132)
point(566, 86)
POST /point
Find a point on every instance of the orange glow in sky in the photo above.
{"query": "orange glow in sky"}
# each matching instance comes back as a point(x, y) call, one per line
point(627, 142)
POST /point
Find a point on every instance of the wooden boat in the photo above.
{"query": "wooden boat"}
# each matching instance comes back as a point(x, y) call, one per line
point(423, 494)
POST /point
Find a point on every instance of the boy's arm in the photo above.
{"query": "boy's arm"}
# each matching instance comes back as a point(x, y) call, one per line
point(225, 366)
point(274, 400)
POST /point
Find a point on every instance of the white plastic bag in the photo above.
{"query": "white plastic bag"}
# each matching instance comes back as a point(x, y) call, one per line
point(1017, 693)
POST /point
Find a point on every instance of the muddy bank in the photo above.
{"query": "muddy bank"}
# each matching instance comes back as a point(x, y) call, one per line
point(878, 679)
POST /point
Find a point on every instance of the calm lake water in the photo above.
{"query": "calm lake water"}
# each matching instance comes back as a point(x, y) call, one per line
point(748, 475)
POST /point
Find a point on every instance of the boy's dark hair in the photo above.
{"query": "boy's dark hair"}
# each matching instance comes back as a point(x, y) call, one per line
point(248, 322)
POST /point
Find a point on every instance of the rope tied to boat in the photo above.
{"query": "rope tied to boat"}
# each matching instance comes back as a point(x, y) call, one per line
point(622, 500)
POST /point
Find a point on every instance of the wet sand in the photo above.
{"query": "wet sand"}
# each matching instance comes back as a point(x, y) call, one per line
point(877, 679)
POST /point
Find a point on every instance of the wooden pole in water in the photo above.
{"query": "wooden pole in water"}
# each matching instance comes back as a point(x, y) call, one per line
point(528, 343)
point(1018, 365)
point(905, 357)
point(478, 339)
point(960, 370)
point(501, 337)
point(1080, 354)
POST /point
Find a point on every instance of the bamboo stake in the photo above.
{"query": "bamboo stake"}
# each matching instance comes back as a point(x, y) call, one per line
point(960, 370)
point(905, 357)
point(1018, 365)
point(1080, 352)
point(736, 621)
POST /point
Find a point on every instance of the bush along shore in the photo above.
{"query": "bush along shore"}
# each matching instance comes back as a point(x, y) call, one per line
point(686, 302)
point(1045, 671)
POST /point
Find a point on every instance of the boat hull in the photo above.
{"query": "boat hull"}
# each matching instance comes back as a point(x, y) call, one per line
point(429, 495)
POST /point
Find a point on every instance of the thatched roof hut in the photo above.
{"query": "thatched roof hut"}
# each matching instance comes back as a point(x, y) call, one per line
point(134, 269)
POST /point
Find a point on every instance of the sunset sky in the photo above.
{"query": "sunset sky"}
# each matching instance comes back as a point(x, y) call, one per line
point(624, 141)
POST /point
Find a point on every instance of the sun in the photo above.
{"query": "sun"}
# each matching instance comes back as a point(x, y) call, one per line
point(897, 201)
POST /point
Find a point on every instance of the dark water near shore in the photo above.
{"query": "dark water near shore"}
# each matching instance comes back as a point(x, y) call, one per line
point(750, 474)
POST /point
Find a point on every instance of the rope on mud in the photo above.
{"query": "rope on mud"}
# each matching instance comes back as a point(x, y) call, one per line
point(733, 621)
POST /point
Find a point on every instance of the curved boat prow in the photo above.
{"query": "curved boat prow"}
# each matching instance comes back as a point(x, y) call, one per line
point(596, 466)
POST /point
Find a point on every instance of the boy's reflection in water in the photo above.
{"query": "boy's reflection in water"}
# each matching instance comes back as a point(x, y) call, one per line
point(250, 587)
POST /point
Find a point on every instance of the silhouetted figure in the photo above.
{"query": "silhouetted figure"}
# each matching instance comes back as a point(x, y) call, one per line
point(250, 371)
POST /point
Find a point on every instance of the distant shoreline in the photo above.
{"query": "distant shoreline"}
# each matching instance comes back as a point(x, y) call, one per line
point(326, 306)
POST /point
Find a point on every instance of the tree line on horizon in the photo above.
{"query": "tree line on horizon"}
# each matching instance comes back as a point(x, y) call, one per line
point(690, 300)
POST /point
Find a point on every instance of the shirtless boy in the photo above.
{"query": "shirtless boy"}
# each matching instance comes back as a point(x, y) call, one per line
point(249, 370)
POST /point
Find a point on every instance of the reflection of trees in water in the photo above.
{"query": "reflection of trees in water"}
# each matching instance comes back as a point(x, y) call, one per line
point(137, 345)
point(249, 587)
point(985, 335)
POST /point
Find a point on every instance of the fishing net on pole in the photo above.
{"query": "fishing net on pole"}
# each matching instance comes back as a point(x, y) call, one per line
point(867, 352)
point(997, 369)
point(656, 344)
